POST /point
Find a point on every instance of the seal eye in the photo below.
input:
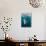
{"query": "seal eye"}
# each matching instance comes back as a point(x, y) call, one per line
point(35, 3)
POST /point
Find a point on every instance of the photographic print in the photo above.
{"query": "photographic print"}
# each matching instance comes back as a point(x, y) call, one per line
point(26, 20)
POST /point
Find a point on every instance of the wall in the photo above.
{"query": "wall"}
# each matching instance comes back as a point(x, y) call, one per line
point(14, 8)
point(45, 28)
